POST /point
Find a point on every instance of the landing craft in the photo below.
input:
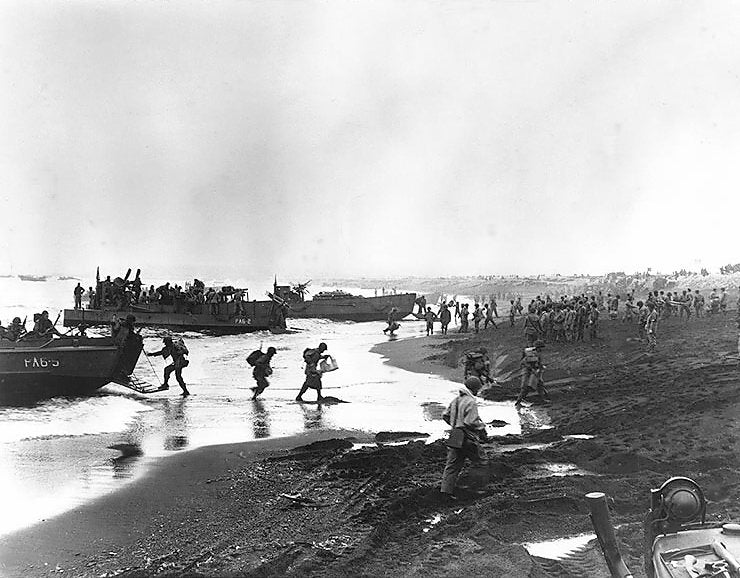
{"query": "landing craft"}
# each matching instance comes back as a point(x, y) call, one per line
point(37, 367)
point(115, 299)
point(342, 306)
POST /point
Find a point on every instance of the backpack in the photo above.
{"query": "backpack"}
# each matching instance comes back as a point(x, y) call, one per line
point(530, 356)
point(179, 346)
point(253, 357)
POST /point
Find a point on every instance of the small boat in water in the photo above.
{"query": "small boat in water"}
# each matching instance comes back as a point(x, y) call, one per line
point(33, 277)
point(343, 306)
point(41, 367)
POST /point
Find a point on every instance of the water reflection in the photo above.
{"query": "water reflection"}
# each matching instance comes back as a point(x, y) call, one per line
point(312, 415)
point(260, 419)
point(432, 410)
point(175, 424)
point(124, 463)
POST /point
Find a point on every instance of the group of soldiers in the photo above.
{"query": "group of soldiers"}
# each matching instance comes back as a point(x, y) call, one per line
point(121, 292)
point(259, 360)
point(43, 327)
point(564, 320)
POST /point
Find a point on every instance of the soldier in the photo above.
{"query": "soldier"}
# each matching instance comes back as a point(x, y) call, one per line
point(512, 313)
point(177, 351)
point(445, 317)
point(532, 367)
point(44, 326)
point(78, 291)
point(262, 371)
point(312, 357)
point(15, 330)
point(478, 364)
point(392, 324)
point(642, 312)
point(699, 304)
point(489, 317)
point(477, 316)
point(532, 328)
point(468, 431)
point(593, 322)
point(430, 317)
point(463, 318)
point(723, 301)
point(713, 302)
point(651, 327)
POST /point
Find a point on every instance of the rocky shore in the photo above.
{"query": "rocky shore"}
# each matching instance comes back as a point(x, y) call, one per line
point(621, 422)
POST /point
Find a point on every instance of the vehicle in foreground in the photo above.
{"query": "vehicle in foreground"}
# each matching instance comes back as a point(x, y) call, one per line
point(35, 367)
point(679, 542)
point(342, 306)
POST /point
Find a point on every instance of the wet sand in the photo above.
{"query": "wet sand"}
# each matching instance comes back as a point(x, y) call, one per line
point(220, 511)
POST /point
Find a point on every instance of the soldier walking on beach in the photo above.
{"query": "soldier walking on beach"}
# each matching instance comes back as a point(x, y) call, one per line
point(593, 322)
point(468, 431)
point(512, 313)
point(177, 351)
point(489, 317)
point(312, 357)
point(723, 301)
point(532, 368)
point(477, 316)
point(651, 327)
point(430, 317)
point(262, 371)
point(444, 317)
point(463, 318)
point(532, 328)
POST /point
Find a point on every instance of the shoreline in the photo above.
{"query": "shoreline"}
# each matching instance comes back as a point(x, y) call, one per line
point(120, 518)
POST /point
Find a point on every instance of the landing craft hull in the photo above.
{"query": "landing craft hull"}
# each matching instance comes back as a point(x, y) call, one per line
point(255, 316)
point(31, 371)
point(354, 308)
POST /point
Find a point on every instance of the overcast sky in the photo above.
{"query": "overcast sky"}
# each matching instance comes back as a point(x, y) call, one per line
point(369, 137)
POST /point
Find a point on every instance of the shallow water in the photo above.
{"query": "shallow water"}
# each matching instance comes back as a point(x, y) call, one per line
point(55, 455)
point(559, 547)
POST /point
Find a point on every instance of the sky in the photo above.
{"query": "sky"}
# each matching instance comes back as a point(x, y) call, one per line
point(368, 138)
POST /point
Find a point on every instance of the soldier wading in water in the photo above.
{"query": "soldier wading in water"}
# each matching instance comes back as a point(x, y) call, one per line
point(177, 351)
point(312, 357)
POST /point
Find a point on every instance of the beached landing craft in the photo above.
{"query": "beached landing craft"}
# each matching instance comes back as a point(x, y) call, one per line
point(178, 314)
point(342, 306)
point(679, 543)
point(41, 367)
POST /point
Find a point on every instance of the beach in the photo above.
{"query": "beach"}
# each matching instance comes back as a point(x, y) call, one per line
point(342, 503)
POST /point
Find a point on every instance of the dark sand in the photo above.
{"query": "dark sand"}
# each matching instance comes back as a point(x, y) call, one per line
point(219, 511)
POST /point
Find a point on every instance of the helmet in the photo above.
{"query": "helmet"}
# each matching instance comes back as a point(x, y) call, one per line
point(16, 319)
point(322, 346)
point(271, 350)
point(473, 383)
